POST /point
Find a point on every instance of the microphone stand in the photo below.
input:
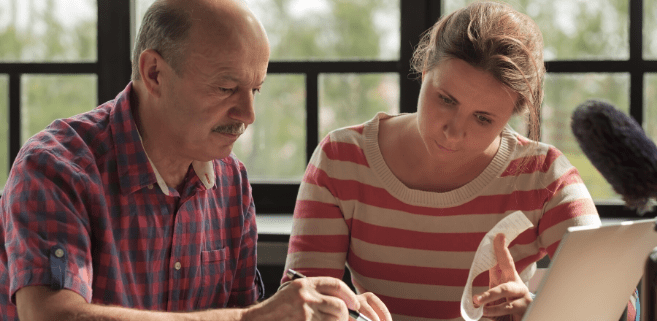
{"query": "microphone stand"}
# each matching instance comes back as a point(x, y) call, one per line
point(648, 301)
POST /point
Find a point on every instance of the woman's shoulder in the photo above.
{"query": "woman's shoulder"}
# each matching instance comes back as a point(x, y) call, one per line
point(525, 145)
point(354, 133)
point(538, 157)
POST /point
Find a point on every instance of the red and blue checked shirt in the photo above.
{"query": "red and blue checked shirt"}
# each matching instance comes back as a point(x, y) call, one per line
point(84, 209)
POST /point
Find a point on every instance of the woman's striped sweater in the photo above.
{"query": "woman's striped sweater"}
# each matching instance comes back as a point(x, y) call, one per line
point(413, 248)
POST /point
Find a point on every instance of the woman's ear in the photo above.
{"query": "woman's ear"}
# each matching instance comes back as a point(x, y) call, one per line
point(150, 67)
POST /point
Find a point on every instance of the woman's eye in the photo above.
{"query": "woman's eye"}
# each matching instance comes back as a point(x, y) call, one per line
point(447, 100)
point(226, 90)
point(483, 119)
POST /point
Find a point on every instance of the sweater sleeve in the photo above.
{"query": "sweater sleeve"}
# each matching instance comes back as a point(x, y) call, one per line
point(568, 202)
point(320, 234)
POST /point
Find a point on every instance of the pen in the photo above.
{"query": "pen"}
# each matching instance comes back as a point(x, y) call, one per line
point(292, 274)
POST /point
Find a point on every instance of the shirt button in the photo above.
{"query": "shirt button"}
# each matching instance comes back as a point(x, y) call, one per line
point(59, 253)
point(177, 266)
point(150, 186)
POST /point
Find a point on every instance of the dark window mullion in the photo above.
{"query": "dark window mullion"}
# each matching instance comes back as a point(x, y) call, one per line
point(636, 60)
point(600, 66)
point(312, 113)
point(49, 68)
point(14, 115)
point(332, 66)
point(113, 42)
point(416, 17)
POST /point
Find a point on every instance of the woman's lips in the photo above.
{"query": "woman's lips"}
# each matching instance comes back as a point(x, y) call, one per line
point(441, 147)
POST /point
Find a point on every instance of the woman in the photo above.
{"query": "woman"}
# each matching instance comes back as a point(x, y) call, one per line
point(404, 200)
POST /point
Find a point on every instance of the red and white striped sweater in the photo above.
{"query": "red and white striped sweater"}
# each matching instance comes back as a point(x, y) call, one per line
point(413, 248)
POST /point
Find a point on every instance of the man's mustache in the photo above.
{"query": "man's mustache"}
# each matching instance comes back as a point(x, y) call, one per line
point(233, 129)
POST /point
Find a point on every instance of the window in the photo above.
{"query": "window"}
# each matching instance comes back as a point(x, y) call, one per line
point(334, 63)
point(41, 42)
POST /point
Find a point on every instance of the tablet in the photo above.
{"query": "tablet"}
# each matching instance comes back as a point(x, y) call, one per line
point(594, 272)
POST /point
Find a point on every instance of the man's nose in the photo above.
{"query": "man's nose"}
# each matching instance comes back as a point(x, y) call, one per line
point(244, 110)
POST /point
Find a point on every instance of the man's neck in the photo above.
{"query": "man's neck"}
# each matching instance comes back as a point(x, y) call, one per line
point(162, 154)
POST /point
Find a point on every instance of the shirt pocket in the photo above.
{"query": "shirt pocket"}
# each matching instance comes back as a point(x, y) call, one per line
point(214, 269)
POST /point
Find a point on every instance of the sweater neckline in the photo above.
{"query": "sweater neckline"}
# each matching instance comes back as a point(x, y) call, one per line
point(451, 198)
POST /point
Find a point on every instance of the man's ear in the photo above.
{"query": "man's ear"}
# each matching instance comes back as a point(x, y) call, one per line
point(150, 67)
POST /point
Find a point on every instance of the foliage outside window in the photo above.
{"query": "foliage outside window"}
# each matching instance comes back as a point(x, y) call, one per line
point(650, 107)
point(49, 97)
point(575, 29)
point(48, 31)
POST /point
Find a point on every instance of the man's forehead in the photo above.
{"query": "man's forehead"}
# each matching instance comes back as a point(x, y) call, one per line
point(233, 74)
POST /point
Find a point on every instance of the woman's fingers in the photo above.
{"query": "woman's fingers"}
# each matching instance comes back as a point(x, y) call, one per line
point(512, 307)
point(506, 266)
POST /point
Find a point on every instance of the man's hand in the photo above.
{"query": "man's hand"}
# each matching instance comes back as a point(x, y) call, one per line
point(312, 298)
point(507, 295)
point(372, 307)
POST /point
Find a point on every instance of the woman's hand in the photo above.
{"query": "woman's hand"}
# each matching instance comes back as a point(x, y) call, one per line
point(507, 295)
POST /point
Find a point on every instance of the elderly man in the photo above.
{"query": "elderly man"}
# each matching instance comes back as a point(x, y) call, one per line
point(138, 207)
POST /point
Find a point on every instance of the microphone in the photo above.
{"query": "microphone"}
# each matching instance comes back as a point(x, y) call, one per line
point(619, 148)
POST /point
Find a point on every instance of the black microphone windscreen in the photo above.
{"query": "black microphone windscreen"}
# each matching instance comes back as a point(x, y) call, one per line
point(619, 148)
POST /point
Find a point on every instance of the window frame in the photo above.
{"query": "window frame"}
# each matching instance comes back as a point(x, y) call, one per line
point(113, 69)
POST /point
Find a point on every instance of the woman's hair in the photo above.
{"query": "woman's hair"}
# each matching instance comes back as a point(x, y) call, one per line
point(496, 38)
point(165, 29)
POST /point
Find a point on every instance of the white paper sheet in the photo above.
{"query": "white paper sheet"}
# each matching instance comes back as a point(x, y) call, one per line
point(511, 226)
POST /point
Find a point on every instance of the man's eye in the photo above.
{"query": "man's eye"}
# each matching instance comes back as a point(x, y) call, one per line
point(226, 90)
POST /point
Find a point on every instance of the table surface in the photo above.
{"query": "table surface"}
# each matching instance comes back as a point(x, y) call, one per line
point(281, 224)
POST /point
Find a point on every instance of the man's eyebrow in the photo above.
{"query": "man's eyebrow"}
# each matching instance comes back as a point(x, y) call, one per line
point(232, 78)
point(225, 76)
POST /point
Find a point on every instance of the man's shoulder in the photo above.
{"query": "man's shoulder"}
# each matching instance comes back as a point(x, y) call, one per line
point(75, 138)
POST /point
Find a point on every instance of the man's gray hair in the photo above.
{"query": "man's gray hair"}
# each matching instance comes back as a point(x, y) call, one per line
point(165, 29)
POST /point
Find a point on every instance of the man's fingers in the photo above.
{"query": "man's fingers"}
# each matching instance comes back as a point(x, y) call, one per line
point(332, 308)
point(315, 296)
point(368, 311)
point(371, 306)
point(335, 288)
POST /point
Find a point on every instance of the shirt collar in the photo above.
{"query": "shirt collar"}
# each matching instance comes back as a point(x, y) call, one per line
point(135, 168)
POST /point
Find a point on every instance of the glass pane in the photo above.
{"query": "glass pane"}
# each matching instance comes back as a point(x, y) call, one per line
point(4, 129)
point(331, 29)
point(49, 97)
point(650, 106)
point(563, 93)
point(351, 99)
point(48, 31)
point(273, 147)
point(575, 29)
point(324, 29)
point(650, 29)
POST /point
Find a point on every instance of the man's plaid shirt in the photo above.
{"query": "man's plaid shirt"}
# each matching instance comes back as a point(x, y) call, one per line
point(84, 209)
